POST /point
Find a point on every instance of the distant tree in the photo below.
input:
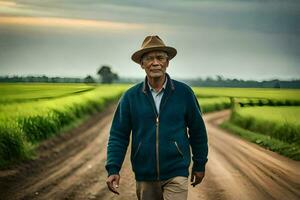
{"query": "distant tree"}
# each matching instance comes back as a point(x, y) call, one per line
point(106, 75)
point(209, 79)
point(277, 84)
point(220, 78)
point(89, 79)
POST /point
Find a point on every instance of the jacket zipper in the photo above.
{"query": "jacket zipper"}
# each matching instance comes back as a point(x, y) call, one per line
point(157, 133)
point(157, 146)
point(157, 137)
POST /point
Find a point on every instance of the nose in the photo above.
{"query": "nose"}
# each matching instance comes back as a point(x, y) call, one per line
point(155, 61)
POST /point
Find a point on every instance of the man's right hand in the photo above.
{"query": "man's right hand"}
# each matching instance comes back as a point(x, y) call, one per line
point(113, 183)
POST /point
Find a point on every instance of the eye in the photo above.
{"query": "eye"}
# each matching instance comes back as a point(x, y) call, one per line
point(160, 57)
point(148, 58)
point(151, 58)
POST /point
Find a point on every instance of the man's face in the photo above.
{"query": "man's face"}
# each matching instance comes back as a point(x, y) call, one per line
point(155, 63)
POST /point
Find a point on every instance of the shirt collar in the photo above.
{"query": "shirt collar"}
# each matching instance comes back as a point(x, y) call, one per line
point(163, 87)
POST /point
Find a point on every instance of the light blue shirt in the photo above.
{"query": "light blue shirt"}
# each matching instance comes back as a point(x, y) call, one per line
point(157, 96)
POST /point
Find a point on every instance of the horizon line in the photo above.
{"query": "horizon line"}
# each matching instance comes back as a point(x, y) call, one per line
point(214, 77)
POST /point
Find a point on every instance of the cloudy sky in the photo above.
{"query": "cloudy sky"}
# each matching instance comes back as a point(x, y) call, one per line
point(244, 39)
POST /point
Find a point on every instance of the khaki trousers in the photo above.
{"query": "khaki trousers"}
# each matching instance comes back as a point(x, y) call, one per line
point(172, 189)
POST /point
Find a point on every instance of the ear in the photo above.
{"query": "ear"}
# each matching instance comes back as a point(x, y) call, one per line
point(142, 66)
point(167, 64)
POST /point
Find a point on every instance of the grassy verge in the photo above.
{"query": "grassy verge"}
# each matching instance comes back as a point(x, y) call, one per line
point(289, 150)
point(24, 125)
point(19, 140)
point(15, 147)
point(264, 121)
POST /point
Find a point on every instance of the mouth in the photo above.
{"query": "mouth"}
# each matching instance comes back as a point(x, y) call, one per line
point(155, 70)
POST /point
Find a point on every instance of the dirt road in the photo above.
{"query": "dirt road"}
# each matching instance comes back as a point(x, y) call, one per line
point(71, 166)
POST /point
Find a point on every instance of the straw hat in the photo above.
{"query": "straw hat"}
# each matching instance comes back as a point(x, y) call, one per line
point(153, 43)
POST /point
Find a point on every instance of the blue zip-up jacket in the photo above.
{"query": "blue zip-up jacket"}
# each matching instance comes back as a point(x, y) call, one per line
point(160, 147)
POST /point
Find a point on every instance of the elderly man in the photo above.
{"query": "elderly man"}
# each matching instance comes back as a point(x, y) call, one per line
point(165, 120)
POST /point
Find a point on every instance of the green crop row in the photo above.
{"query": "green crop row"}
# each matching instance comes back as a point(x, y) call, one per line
point(214, 104)
point(268, 121)
point(17, 92)
point(243, 102)
point(253, 93)
point(23, 125)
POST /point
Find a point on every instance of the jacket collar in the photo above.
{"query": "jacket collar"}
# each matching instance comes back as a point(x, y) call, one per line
point(163, 87)
point(170, 84)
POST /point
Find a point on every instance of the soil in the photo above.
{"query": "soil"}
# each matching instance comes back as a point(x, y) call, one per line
point(71, 166)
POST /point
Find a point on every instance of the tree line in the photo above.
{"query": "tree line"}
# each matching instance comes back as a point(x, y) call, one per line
point(106, 75)
point(220, 81)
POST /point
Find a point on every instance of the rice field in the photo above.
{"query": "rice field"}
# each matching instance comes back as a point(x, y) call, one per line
point(267, 117)
point(28, 117)
point(39, 106)
point(212, 99)
point(250, 93)
point(278, 122)
point(282, 114)
point(20, 92)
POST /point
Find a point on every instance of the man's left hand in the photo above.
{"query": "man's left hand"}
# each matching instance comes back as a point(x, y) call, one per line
point(196, 178)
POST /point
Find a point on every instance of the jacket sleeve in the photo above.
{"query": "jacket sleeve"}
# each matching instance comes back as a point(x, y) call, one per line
point(119, 137)
point(197, 134)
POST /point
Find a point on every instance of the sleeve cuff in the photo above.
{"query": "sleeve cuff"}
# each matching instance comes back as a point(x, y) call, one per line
point(112, 170)
point(198, 168)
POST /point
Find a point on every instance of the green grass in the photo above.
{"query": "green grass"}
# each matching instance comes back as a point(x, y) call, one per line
point(277, 122)
point(283, 114)
point(19, 92)
point(24, 124)
point(289, 150)
point(252, 96)
point(259, 93)
point(214, 103)
point(44, 106)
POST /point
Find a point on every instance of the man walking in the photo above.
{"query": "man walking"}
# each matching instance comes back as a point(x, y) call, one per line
point(164, 118)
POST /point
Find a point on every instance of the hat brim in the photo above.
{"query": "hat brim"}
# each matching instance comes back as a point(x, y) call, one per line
point(136, 57)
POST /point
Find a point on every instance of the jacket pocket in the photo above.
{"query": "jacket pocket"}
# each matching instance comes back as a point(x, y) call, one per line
point(178, 149)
